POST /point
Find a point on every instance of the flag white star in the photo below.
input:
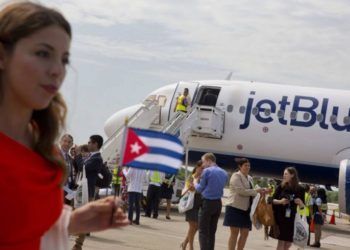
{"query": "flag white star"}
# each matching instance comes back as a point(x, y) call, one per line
point(135, 148)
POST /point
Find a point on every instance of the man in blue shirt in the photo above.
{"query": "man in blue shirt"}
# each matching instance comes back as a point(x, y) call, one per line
point(211, 186)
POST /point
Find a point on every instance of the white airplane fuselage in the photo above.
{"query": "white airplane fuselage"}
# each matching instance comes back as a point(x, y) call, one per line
point(272, 125)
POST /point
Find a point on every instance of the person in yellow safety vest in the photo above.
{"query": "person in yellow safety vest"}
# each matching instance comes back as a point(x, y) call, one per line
point(117, 179)
point(182, 102)
point(271, 185)
point(307, 208)
point(153, 193)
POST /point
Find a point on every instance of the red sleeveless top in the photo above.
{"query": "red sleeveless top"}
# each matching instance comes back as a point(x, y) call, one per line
point(30, 193)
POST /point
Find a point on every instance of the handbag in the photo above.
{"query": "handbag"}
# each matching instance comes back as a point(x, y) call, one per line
point(301, 231)
point(253, 214)
point(186, 202)
point(264, 215)
point(82, 193)
point(264, 212)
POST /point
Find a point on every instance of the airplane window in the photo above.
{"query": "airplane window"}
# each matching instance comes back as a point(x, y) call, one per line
point(306, 116)
point(280, 113)
point(242, 109)
point(333, 119)
point(346, 120)
point(162, 100)
point(293, 115)
point(255, 111)
point(267, 112)
point(229, 108)
point(319, 117)
point(151, 98)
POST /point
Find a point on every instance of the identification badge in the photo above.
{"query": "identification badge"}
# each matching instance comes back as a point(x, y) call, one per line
point(288, 212)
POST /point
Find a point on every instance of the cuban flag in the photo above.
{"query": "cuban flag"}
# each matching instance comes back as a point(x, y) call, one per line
point(152, 150)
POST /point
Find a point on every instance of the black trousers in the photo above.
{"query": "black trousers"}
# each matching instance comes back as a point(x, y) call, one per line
point(134, 199)
point(153, 196)
point(208, 220)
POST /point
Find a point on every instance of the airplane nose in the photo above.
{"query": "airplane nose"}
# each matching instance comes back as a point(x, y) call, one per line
point(118, 119)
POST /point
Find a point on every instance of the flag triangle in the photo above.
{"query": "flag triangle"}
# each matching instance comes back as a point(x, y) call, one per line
point(134, 147)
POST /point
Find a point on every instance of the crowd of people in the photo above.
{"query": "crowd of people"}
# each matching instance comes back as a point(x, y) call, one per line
point(207, 181)
point(34, 53)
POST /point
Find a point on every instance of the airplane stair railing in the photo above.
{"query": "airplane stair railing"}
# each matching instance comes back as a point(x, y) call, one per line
point(142, 118)
point(173, 126)
point(210, 122)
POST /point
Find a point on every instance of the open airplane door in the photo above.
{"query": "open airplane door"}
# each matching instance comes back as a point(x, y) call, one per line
point(192, 89)
point(344, 186)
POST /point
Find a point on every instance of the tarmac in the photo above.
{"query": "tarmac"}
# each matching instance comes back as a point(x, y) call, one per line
point(162, 234)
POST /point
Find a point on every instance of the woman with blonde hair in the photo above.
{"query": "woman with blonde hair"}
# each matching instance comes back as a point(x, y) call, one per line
point(192, 214)
point(34, 53)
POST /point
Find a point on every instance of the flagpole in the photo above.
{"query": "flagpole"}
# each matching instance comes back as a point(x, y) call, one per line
point(118, 165)
point(126, 122)
point(186, 162)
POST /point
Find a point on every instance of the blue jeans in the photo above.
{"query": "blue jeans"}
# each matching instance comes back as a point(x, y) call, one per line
point(134, 198)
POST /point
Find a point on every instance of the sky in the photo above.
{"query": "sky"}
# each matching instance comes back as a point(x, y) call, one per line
point(122, 50)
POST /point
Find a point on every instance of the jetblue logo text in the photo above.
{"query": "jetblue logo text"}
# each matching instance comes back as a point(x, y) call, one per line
point(303, 104)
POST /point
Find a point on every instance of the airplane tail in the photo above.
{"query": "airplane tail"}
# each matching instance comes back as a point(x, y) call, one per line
point(228, 77)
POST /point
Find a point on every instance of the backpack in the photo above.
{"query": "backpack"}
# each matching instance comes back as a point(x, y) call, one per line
point(107, 177)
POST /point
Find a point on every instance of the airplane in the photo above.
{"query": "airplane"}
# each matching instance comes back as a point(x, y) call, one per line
point(272, 125)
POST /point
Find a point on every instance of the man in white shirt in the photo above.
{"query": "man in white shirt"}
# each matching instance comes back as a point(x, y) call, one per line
point(135, 178)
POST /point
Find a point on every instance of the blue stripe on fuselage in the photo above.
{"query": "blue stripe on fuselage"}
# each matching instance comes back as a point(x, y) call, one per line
point(274, 169)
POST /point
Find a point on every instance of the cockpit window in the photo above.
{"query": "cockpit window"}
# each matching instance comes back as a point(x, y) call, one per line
point(151, 98)
point(162, 100)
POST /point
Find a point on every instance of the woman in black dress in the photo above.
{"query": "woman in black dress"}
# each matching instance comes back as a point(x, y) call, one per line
point(288, 195)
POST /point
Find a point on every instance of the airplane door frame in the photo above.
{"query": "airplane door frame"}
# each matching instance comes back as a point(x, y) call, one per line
point(183, 85)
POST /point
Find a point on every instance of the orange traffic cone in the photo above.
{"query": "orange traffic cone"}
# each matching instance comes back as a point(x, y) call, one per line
point(332, 220)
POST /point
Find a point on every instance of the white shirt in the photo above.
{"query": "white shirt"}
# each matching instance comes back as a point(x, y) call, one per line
point(135, 178)
point(57, 238)
point(316, 201)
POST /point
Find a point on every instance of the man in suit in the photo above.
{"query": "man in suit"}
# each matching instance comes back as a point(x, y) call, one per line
point(93, 165)
point(66, 142)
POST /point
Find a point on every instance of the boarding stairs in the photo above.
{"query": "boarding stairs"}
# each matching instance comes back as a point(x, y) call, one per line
point(208, 122)
point(199, 121)
point(144, 117)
